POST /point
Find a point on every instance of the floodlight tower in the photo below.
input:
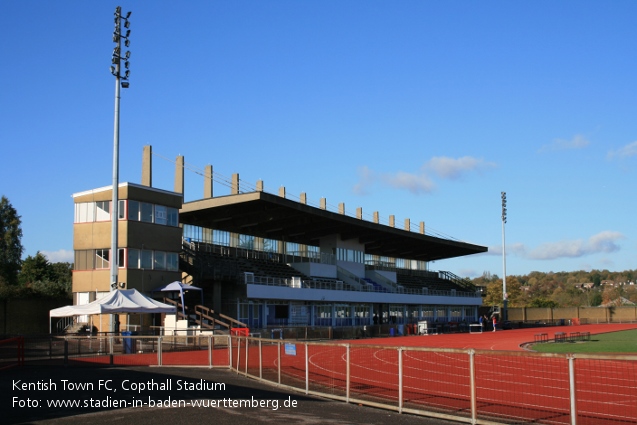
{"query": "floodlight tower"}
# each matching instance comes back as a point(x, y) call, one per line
point(121, 80)
point(504, 260)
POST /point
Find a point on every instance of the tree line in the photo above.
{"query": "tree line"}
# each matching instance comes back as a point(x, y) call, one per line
point(561, 289)
point(33, 276)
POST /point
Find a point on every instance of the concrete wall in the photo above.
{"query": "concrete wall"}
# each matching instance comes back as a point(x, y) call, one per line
point(28, 316)
point(585, 314)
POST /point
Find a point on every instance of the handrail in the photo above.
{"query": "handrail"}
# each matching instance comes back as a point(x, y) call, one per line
point(179, 306)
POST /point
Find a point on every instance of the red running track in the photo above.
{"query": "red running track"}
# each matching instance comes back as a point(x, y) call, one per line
point(511, 386)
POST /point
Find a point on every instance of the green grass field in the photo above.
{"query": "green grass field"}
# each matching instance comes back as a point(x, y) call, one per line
point(613, 342)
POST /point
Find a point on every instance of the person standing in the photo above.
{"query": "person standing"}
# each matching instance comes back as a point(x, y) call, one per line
point(481, 324)
point(494, 322)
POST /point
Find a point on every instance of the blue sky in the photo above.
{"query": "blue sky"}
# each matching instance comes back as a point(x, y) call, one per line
point(418, 109)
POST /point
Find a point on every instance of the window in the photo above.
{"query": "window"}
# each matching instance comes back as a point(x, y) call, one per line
point(102, 259)
point(84, 212)
point(146, 212)
point(147, 259)
point(83, 260)
point(172, 261)
point(102, 211)
point(121, 209)
point(133, 210)
point(120, 258)
point(133, 258)
point(173, 216)
point(159, 262)
point(161, 216)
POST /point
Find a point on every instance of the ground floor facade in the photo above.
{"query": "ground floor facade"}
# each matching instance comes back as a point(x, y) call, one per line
point(264, 313)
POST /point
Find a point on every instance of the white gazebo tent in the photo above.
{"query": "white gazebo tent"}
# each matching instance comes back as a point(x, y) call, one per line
point(115, 302)
point(177, 286)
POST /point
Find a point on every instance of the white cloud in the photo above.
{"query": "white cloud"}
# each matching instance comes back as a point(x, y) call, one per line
point(513, 249)
point(366, 179)
point(577, 142)
point(421, 181)
point(452, 168)
point(59, 256)
point(624, 152)
point(602, 242)
point(415, 183)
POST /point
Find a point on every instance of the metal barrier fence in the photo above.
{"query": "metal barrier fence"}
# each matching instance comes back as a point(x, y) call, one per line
point(472, 386)
point(115, 350)
point(465, 385)
point(11, 352)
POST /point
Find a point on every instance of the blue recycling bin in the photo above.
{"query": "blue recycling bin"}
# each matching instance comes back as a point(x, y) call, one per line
point(127, 342)
point(392, 331)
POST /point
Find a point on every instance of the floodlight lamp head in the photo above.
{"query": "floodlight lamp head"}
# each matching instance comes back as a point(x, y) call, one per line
point(128, 54)
point(126, 74)
point(118, 10)
point(128, 15)
point(113, 70)
point(127, 42)
point(127, 24)
point(125, 84)
point(127, 33)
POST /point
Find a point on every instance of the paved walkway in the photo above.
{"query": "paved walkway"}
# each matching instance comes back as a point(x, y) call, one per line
point(307, 410)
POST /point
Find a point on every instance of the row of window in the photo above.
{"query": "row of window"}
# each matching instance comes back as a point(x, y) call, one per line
point(128, 258)
point(88, 212)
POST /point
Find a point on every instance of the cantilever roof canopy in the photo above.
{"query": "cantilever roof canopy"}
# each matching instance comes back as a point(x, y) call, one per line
point(269, 216)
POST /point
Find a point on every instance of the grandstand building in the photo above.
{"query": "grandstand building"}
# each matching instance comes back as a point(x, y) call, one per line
point(267, 260)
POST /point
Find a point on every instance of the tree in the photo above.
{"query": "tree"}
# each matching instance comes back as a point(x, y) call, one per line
point(44, 278)
point(34, 269)
point(10, 243)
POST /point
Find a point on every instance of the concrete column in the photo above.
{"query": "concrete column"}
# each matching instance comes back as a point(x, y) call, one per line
point(341, 208)
point(303, 247)
point(282, 191)
point(147, 166)
point(392, 221)
point(359, 213)
point(407, 224)
point(234, 187)
point(179, 174)
point(259, 185)
point(422, 227)
point(207, 182)
point(376, 217)
point(323, 204)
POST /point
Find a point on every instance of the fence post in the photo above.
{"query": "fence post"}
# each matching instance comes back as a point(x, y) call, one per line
point(260, 360)
point(230, 351)
point(572, 389)
point(210, 351)
point(278, 356)
point(347, 373)
point(400, 380)
point(307, 370)
point(238, 353)
point(247, 351)
point(472, 385)
point(110, 349)
point(66, 352)
point(159, 351)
